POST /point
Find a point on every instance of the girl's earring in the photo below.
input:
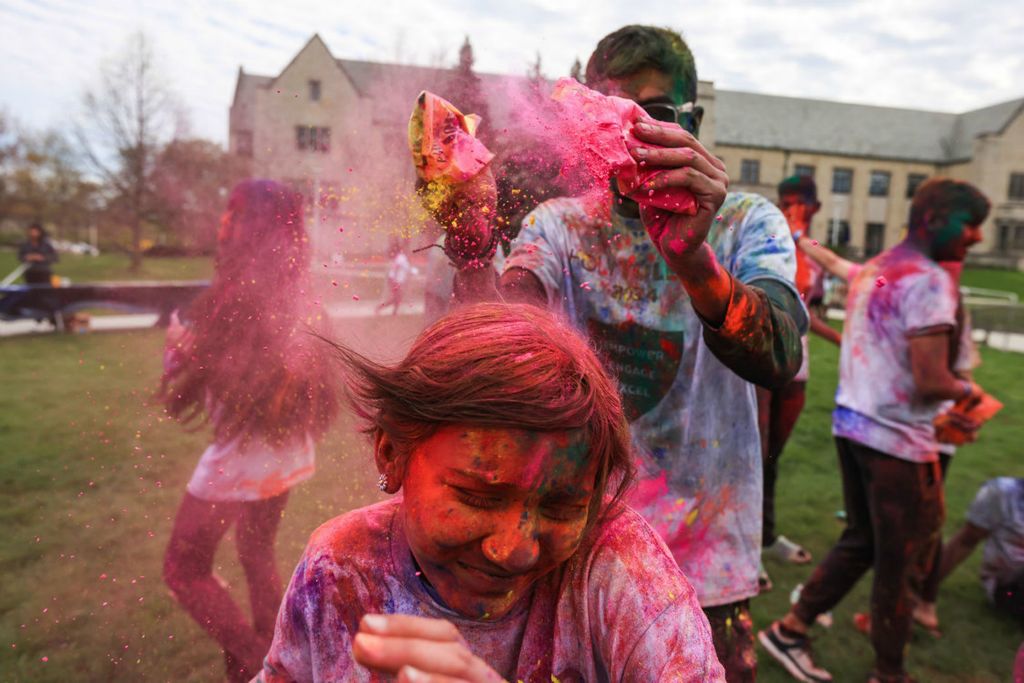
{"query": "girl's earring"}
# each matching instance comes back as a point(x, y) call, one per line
point(382, 482)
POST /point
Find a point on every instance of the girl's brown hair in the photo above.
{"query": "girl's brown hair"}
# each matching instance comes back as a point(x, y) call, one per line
point(249, 363)
point(497, 365)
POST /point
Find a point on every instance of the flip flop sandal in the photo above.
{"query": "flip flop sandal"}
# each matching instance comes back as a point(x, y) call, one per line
point(788, 551)
point(764, 582)
point(931, 629)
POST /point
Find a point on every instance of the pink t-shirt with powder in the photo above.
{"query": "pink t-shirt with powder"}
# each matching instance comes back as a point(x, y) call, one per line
point(618, 610)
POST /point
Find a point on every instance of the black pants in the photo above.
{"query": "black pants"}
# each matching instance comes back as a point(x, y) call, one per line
point(894, 515)
point(777, 413)
point(732, 631)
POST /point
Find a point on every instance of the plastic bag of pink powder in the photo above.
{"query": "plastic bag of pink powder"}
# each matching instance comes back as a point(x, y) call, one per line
point(443, 141)
point(597, 131)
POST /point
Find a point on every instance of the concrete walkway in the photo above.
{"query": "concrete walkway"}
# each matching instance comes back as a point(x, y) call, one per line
point(139, 321)
point(1004, 341)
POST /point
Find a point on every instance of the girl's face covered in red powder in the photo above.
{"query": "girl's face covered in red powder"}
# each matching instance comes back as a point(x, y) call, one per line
point(489, 511)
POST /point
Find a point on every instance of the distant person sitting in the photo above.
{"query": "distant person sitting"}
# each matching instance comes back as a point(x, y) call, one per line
point(996, 516)
point(38, 253)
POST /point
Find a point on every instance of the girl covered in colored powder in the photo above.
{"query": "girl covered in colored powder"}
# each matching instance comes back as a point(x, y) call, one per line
point(506, 552)
point(246, 363)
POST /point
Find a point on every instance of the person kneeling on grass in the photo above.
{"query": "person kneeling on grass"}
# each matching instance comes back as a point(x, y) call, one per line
point(507, 553)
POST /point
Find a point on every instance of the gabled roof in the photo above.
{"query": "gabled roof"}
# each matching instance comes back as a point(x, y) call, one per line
point(246, 84)
point(315, 40)
point(807, 125)
point(993, 119)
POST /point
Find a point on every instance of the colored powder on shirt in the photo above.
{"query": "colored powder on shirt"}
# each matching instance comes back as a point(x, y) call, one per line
point(699, 483)
point(619, 609)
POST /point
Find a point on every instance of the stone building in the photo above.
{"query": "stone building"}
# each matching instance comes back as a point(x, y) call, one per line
point(868, 160)
point(335, 128)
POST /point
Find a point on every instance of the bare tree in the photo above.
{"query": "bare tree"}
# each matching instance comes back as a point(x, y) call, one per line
point(8, 151)
point(128, 114)
point(190, 183)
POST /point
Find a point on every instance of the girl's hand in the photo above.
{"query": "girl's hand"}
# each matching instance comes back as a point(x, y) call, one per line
point(417, 649)
point(176, 332)
point(690, 166)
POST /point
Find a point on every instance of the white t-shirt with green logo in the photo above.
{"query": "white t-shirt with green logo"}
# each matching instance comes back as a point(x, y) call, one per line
point(693, 420)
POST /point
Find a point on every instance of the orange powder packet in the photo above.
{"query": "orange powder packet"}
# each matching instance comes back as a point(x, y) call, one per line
point(980, 409)
point(443, 141)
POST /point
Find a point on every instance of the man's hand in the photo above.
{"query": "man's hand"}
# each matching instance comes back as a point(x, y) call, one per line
point(956, 428)
point(466, 210)
point(416, 649)
point(688, 165)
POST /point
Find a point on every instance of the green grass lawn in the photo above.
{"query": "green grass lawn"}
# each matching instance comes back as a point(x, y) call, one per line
point(116, 266)
point(91, 475)
point(991, 278)
point(978, 644)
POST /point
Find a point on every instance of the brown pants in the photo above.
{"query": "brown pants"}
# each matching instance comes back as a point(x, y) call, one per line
point(732, 630)
point(894, 515)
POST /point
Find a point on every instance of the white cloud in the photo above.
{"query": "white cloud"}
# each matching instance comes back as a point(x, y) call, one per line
point(929, 54)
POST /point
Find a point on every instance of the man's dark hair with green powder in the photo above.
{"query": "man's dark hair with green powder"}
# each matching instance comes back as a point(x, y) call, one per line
point(634, 48)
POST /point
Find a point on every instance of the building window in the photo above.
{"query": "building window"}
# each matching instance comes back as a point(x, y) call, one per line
point(314, 91)
point(838, 233)
point(243, 143)
point(879, 186)
point(804, 170)
point(313, 138)
point(1016, 186)
point(750, 171)
point(874, 239)
point(914, 181)
point(1003, 241)
point(842, 180)
point(1010, 237)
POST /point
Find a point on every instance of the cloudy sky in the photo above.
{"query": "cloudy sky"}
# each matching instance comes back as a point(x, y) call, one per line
point(947, 55)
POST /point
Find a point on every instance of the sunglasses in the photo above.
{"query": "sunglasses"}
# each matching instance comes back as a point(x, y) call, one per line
point(686, 115)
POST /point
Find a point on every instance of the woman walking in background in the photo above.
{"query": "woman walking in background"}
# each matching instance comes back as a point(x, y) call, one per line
point(245, 362)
